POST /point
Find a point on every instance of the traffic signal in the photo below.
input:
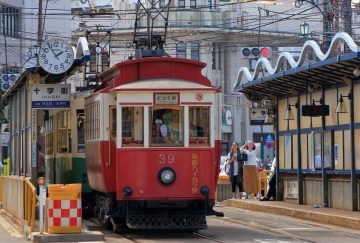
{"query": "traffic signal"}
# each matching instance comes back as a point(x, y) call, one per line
point(255, 52)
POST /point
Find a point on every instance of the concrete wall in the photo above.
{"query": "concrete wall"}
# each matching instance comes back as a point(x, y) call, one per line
point(14, 189)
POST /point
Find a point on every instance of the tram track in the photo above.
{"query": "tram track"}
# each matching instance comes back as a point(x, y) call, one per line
point(207, 237)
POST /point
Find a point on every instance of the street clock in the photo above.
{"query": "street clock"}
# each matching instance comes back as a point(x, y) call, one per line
point(56, 56)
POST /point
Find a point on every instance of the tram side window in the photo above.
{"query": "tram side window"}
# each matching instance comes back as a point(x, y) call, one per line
point(92, 121)
point(132, 128)
point(80, 131)
point(113, 122)
point(64, 132)
point(199, 125)
point(167, 128)
point(49, 133)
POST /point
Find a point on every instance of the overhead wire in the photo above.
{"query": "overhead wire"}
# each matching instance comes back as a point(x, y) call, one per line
point(219, 26)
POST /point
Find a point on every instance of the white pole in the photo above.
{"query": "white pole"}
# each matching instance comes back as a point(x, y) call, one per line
point(41, 205)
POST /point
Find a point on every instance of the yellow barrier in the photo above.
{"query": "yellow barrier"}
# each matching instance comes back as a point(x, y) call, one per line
point(31, 202)
point(0, 188)
point(263, 180)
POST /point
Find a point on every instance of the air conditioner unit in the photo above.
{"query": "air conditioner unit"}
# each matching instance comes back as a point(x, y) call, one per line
point(5, 86)
point(9, 77)
point(13, 77)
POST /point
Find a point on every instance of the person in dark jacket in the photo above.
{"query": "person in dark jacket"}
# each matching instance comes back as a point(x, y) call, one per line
point(234, 169)
point(271, 194)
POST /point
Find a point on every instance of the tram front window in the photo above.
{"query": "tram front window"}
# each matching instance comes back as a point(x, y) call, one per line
point(167, 127)
point(199, 125)
point(132, 126)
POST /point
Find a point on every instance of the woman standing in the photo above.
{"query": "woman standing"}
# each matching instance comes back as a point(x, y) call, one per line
point(234, 170)
point(250, 168)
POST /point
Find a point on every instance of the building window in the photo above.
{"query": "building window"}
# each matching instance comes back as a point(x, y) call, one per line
point(92, 59)
point(181, 3)
point(105, 61)
point(195, 52)
point(9, 21)
point(213, 58)
point(181, 50)
point(162, 3)
point(192, 3)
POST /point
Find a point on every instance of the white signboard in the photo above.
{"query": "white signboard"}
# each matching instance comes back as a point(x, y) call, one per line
point(5, 134)
point(50, 96)
point(291, 189)
point(257, 116)
point(33, 137)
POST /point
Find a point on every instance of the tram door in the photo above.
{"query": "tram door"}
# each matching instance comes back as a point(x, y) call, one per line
point(112, 133)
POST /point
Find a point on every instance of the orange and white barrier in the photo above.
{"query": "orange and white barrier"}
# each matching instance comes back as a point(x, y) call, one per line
point(64, 216)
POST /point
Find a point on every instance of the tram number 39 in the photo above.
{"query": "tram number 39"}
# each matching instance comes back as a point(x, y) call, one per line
point(169, 158)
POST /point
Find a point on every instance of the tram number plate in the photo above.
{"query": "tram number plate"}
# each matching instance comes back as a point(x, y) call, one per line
point(166, 158)
point(166, 99)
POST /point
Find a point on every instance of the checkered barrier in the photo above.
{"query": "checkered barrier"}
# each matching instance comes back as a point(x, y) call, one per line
point(64, 216)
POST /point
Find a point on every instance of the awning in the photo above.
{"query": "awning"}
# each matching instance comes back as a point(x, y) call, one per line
point(328, 73)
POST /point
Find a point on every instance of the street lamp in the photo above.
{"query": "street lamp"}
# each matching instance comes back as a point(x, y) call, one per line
point(304, 29)
point(98, 51)
point(36, 49)
point(32, 53)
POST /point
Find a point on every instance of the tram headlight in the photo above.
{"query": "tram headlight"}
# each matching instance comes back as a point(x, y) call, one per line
point(167, 176)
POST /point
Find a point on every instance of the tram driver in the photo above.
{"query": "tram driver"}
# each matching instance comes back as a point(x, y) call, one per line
point(165, 127)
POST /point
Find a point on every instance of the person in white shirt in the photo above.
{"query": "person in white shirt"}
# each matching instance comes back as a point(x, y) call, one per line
point(251, 150)
point(250, 167)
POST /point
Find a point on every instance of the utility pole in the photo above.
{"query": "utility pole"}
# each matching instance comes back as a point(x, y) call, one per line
point(347, 17)
point(327, 24)
point(40, 31)
point(4, 33)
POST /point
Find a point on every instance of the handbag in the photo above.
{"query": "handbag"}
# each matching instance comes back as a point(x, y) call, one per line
point(242, 157)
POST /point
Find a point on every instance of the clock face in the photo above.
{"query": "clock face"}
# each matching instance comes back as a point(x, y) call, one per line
point(56, 56)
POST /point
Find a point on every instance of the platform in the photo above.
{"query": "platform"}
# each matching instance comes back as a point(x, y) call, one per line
point(315, 213)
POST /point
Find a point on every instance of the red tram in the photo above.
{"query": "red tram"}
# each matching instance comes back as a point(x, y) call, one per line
point(142, 177)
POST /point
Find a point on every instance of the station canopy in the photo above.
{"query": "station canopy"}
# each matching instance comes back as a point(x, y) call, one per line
point(329, 72)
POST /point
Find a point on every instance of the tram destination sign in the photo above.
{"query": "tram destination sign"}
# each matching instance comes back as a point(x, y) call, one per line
point(50, 96)
point(166, 98)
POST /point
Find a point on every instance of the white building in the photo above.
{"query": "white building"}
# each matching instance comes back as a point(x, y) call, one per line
point(20, 32)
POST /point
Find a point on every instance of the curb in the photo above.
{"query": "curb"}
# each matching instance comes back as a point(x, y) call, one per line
point(14, 221)
point(319, 217)
point(83, 236)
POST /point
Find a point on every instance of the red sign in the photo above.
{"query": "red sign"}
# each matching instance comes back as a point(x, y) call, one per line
point(269, 145)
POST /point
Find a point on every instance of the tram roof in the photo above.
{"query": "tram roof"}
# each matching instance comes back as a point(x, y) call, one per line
point(163, 84)
point(331, 72)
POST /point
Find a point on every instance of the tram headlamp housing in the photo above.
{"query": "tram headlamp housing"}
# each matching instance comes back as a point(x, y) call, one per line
point(167, 176)
point(127, 191)
point(205, 191)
